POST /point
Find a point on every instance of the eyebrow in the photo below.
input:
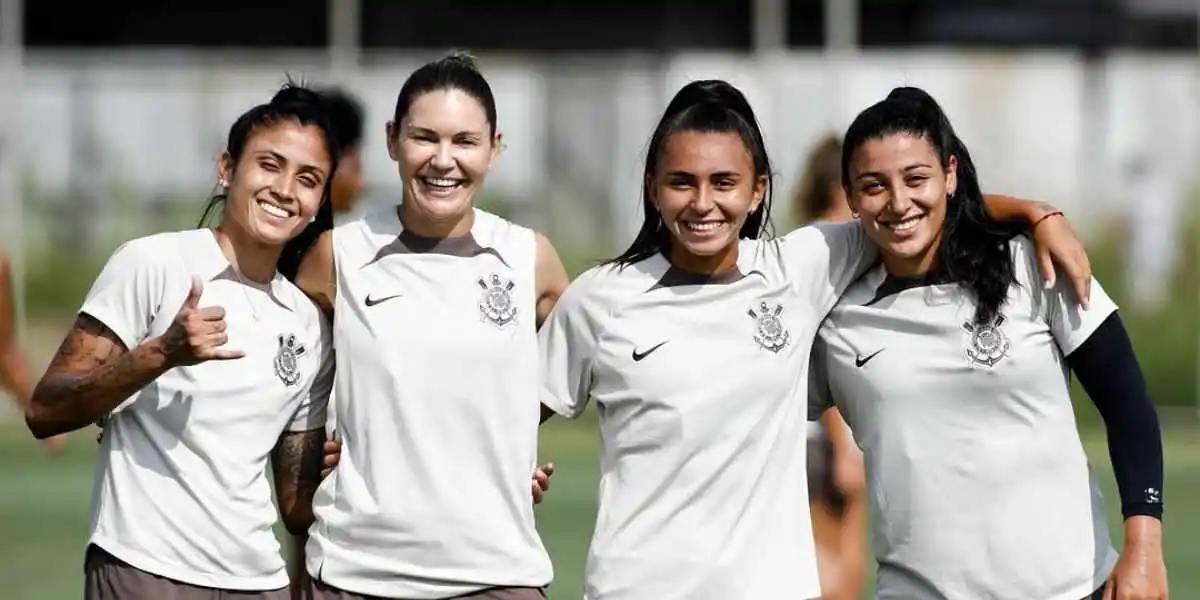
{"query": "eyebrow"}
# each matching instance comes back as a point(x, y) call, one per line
point(427, 131)
point(877, 174)
point(283, 159)
point(731, 174)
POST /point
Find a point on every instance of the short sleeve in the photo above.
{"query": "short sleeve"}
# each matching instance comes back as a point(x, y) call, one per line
point(314, 403)
point(567, 345)
point(820, 396)
point(825, 258)
point(1069, 323)
point(128, 294)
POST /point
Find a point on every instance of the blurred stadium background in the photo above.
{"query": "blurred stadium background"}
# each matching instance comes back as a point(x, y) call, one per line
point(112, 116)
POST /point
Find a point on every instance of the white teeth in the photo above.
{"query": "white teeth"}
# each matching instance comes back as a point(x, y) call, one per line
point(441, 182)
point(705, 226)
point(273, 210)
point(906, 224)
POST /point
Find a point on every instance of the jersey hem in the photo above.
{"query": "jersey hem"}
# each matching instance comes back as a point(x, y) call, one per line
point(142, 562)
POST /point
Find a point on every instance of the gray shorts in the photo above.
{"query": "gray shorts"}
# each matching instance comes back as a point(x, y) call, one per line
point(107, 577)
point(320, 591)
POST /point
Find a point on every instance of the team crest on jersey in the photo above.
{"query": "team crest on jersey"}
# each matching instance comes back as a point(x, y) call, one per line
point(986, 345)
point(496, 302)
point(287, 359)
point(769, 331)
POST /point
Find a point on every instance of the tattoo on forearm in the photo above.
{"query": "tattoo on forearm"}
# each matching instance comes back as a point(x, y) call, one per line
point(297, 461)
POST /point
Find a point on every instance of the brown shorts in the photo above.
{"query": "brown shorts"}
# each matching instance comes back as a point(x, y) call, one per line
point(320, 591)
point(106, 577)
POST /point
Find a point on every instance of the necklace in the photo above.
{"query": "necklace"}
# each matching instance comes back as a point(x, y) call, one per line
point(246, 285)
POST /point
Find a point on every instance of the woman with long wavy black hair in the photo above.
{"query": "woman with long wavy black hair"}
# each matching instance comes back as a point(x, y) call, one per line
point(951, 362)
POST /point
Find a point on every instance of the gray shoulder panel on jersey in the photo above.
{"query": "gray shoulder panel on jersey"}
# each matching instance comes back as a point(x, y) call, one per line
point(676, 277)
point(271, 289)
point(411, 243)
point(894, 285)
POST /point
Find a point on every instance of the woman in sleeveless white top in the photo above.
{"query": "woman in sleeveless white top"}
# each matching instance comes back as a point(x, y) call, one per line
point(436, 306)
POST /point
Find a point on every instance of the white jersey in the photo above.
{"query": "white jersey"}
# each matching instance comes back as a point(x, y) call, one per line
point(701, 386)
point(181, 489)
point(437, 408)
point(979, 485)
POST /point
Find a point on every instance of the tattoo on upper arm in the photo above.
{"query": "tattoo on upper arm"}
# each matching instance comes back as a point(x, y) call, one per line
point(88, 355)
point(88, 345)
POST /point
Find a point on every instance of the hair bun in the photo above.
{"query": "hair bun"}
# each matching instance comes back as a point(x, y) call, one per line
point(461, 58)
point(293, 93)
point(915, 95)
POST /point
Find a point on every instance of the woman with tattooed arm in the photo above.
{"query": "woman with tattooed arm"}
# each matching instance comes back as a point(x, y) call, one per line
point(202, 362)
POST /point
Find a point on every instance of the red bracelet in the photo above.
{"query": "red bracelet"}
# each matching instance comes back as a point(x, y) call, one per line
point(1053, 213)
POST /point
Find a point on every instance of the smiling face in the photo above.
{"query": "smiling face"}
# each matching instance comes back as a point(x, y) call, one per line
point(704, 188)
point(899, 188)
point(276, 187)
point(443, 147)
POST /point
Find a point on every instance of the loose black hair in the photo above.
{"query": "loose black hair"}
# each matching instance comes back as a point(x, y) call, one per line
point(974, 247)
point(706, 106)
point(293, 102)
point(458, 71)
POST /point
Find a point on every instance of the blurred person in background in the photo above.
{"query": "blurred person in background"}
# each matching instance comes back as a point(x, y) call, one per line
point(951, 361)
point(202, 362)
point(836, 483)
point(14, 371)
point(346, 116)
point(695, 343)
point(435, 306)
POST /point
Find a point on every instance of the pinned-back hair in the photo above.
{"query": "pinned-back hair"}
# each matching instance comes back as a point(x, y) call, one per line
point(974, 247)
point(457, 71)
point(293, 102)
point(706, 106)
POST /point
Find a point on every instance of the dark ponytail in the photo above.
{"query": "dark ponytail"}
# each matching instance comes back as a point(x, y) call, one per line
point(707, 106)
point(297, 103)
point(974, 247)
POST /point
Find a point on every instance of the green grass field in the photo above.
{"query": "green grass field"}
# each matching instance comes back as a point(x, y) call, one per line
point(44, 502)
point(44, 510)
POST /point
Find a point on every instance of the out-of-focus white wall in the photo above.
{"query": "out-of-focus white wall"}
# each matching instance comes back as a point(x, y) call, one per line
point(1039, 124)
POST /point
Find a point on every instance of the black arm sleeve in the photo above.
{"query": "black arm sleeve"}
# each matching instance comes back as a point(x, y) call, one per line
point(1108, 370)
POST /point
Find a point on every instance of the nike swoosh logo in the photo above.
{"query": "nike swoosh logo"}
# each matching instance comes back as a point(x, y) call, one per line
point(373, 301)
point(638, 356)
point(860, 360)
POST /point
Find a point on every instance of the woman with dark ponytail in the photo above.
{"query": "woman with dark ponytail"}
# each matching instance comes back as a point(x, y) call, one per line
point(694, 343)
point(951, 362)
point(435, 307)
point(201, 362)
